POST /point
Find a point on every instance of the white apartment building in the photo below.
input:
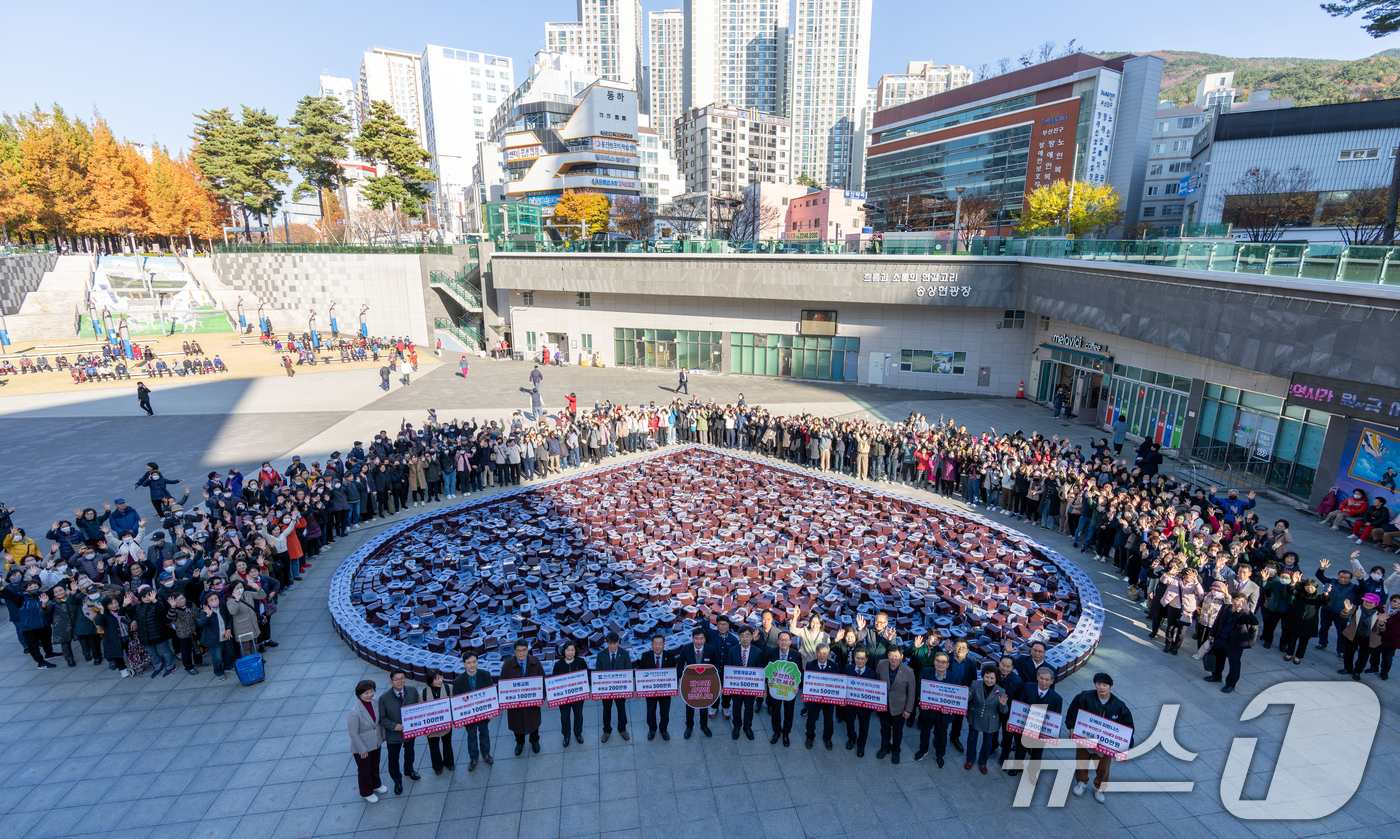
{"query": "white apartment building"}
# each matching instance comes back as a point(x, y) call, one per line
point(920, 79)
point(564, 36)
point(666, 70)
point(612, 39)
point(344, 92)
point(721, 150)
point(736, 51)
point(660, 177)
point(461, 88)
point(830, 60)
point(395, 77)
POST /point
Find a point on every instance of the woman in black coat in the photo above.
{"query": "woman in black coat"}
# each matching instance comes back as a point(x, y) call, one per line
point(1300, 622)
point(571, 663)
point(113, 625)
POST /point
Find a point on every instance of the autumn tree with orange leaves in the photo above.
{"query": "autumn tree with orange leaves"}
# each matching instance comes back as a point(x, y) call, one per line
point(63, 182)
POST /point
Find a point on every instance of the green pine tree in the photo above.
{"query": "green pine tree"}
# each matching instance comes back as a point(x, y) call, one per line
point(386, 141)
point(317, 138)
point(243, 159)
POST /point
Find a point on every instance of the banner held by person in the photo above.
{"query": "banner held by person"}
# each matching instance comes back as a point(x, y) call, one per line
point(527, 692)
point(1035, 720)
point(943, 696)
point(783, 679)
point(427, 717)
point(867, 693)
point(743, 681)
point(1103, 736)
point(613, 684)
point(657, 683)
point(474, 707)
point(567, 688)
point(826, 688)
point(700, 685)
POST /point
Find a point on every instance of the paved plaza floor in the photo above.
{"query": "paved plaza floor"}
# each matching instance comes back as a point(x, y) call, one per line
point(84, 752)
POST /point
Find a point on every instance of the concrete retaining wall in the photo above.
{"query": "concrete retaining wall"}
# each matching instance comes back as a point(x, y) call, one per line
point(19, 275)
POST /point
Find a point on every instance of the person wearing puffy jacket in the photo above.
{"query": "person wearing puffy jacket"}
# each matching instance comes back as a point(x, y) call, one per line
point(1350, 510)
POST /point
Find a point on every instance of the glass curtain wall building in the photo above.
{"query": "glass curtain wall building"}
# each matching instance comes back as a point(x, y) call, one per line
point(1253, 434)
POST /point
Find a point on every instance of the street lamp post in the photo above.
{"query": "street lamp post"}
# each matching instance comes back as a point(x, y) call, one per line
point(957, 217)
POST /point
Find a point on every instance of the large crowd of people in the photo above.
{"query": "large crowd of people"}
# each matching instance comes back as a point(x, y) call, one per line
point(187, 586)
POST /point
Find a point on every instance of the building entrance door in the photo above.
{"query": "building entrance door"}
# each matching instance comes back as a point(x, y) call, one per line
point(1086, 396)
point(877, 369)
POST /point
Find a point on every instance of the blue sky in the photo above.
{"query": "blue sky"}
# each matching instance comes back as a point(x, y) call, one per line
point(148, 65)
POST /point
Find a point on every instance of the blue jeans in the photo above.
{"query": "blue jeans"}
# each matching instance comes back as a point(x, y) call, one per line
point(528, 464)
point(982, 750)
point(1085, 525)
point(612, 448)
point(994, 495)
point(162, 655)
point(354, 512)
point(573, 457)
point(449, 484)
point(219, 657)
point(974, 490)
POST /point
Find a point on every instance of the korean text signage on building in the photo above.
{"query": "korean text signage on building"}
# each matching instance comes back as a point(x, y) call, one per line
point(1078, 342)
point(947, 282)
point(1101, 131)
point(524, 153)
point(610, 145)
point(1377, 403)
point(1052, 147)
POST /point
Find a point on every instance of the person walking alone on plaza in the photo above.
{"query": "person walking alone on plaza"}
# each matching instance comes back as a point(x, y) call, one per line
point(365, 740)
point(684, 383)
point(536, 377)
point(143, 398)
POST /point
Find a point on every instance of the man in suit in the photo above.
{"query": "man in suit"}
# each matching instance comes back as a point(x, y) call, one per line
point(523, 722)
point(823, 709)
point(723, 639)
point(1027, 665)
point(766, 639)
point(902, 699)
point(932, 721)
point(697, 652)
point(658, 659)
point(878, 639)
point(782, 710)
point(744, 655)
point(856, 736)
point(963, 669)
point(1039, 692)
point(1241, 583)
point(391, 704)
point(478, 734)
point(613, 658)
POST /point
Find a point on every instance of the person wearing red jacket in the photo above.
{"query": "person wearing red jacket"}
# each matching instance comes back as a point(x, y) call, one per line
point(1350, 510)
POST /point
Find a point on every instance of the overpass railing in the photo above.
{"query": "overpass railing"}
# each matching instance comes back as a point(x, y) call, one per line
point(1335, 262)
